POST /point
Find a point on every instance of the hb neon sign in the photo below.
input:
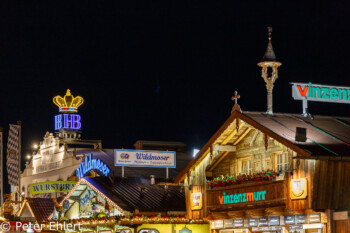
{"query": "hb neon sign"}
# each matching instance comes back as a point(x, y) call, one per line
point(67, 121)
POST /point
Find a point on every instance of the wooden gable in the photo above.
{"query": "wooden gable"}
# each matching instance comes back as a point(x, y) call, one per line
point(236, 137)
point(241, 136)
point(235, 128)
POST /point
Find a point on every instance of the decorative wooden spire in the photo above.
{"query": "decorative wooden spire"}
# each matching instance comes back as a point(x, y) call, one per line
point(269, 53)
point(269, 62)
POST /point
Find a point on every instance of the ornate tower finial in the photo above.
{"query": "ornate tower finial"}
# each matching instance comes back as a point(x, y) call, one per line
point(236, 106)
point(269, 29)
point(269, 71)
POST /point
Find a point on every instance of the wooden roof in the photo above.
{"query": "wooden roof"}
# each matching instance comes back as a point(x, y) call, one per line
point(107, 156)
point(41, 208)
point(326, 135)
point(136, 193)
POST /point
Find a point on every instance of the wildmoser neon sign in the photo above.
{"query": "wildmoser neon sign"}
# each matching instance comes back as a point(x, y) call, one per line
point(321, 93)
point(92, 164)
point(242, 197)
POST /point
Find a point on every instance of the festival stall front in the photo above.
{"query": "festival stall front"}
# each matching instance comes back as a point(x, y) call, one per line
point(127, 205)
point(250, 179)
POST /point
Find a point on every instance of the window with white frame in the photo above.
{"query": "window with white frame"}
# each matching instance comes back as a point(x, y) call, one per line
point(261, 163)
point(282, 162)
point(257, 165)
point(266, 164)
point(247, 166)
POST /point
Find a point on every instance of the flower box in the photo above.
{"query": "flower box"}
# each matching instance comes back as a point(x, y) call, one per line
point(223, 181)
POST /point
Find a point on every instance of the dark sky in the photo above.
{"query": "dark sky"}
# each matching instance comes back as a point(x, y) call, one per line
point(163, 70)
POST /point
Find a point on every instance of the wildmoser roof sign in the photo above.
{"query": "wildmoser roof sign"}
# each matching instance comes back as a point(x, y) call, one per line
point(321, 93)
point(145, 158)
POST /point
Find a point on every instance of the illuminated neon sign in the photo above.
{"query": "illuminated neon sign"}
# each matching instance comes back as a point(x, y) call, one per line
point(321, 93)
point(51, 187)
point(92, 164)
point(242, 197)
point(68, 106)
point(67, 121)
point(68, 103)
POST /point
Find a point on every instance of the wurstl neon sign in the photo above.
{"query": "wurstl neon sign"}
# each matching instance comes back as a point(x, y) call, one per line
point(92, 164)
point(242, 197)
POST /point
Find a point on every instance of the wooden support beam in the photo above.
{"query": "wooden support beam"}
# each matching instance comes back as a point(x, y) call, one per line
point(213, 165)
point(245, 132)
point(230, 136)
point(254, 137)
point(240, 137)
point(75, 198)
point(224, 148)
point(266, 137)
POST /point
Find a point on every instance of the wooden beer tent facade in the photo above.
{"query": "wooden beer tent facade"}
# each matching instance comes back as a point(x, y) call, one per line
point(251, 142)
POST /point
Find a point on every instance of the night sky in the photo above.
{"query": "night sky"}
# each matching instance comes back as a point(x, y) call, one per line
point(163, 70)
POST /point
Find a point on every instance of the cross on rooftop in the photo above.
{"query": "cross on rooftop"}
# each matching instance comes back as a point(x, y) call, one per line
point(236, 97)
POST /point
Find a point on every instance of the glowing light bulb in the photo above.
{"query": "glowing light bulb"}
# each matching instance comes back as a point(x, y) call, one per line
point(195, 152)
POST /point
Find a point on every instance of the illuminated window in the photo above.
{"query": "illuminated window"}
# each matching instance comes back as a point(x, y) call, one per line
point(282, 162)
point(257, 166)
point(247, 166)
point(44, 157)
point(50, 159)
point(261, 162)
point(266, 164)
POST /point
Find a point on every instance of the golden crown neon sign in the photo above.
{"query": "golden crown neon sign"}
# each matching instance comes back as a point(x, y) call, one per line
point(68, 103)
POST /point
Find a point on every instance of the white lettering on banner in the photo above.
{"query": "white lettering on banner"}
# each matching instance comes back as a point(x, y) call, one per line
point(145, 158)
